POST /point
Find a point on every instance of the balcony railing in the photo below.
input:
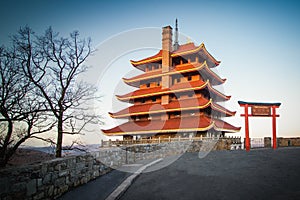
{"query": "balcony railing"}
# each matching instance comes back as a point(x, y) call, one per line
point(110, 143)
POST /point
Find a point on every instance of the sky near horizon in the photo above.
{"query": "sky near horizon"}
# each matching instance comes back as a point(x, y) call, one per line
point(257, 43)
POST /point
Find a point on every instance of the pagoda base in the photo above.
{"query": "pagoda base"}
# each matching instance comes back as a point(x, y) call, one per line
point(210, 133)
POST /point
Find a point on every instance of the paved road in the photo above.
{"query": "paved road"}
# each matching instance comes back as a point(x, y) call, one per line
point(97, 189)
point(258, 174)
point(102, 187)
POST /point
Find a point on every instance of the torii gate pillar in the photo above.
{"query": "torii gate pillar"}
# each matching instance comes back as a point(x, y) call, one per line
point(259, 110)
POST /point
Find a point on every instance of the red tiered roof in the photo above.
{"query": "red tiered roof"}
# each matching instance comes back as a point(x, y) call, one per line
point(180, 87)
point(182, 50)
point(184, 68)
point(221, 125)
point(220, 108)
point(155, 58)
point(179, 105)
point(187, 47)
point(186, 124)
point(158, 108)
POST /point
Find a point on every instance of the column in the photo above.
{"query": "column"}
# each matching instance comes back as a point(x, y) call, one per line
point(247, 142)
point(274, 127)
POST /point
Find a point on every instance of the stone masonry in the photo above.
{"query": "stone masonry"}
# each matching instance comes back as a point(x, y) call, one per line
point(50, 179)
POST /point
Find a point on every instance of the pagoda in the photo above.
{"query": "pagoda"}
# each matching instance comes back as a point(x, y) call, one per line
point(175, 95)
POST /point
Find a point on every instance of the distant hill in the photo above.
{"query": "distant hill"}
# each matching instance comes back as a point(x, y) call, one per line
point(30, 155)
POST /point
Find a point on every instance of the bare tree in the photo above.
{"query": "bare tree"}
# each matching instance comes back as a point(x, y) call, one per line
point(39, 89)
point(22, 114)
point(53, 64)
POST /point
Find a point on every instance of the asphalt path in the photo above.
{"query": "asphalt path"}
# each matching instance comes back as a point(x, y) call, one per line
point(98, 189)
point(258, 174)
point(113, 184)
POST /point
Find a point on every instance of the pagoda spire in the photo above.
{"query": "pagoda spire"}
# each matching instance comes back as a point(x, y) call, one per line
point(176, 44)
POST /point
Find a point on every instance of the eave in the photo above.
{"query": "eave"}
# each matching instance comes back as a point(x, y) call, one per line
point(179, 105)
point(158, 126)
point(189, 124)
point(190, 50)
point(181, 87)
point(180, 69)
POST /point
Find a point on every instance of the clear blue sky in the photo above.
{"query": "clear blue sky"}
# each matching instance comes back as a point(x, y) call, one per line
point(257, 42)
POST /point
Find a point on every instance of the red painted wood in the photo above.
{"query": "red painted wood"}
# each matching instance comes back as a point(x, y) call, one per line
point(247, 142)
point(274, 127)
point(249, 115)
point(246, 105)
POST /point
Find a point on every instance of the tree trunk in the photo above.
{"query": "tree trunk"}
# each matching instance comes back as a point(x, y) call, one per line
point(4, 149)
point(59, 136)
point(3, 161)
point(6, 157)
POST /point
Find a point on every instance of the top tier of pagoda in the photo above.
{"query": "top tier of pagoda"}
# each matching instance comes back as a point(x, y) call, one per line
point(175, 94)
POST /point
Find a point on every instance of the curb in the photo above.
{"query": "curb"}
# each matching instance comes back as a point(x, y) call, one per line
point(117, 193)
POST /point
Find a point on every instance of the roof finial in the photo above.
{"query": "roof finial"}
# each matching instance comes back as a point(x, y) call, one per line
point(176, 45)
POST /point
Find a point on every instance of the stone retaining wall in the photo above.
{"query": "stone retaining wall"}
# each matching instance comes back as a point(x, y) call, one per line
point(51, 179)
point(283, 142)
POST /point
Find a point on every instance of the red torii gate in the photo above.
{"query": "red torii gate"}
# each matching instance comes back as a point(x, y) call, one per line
point(259, 109)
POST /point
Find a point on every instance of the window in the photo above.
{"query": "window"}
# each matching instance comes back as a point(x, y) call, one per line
point(153, 99)
point(189, 78)
point(148, 84)
point(178, 80)
point(143, 100)
point(158, 84)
